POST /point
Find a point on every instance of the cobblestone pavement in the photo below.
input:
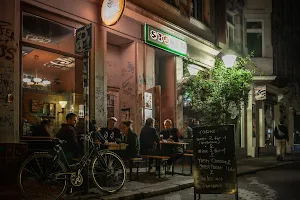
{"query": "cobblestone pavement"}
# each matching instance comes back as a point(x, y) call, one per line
point(277, 184)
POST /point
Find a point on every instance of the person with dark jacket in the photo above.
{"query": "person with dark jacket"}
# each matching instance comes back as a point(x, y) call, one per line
point(130, 138)
point(68, 133)
point(42, 129)
point(170, 134)
point(281, 134)
point(111, 133)
point(149, 141)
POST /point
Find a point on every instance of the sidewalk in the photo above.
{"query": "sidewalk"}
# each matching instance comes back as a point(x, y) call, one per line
point(148, 185)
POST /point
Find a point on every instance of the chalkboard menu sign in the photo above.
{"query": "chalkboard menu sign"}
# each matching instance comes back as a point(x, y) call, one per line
point(215, 163)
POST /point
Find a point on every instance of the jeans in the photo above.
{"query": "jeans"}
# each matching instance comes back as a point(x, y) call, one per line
point(280, 148)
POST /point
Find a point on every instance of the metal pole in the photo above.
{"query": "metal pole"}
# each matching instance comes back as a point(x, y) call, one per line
point(86, 114)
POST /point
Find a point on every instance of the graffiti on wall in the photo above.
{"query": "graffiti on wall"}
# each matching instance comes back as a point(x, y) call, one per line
point(7, 55)
point(6, 38)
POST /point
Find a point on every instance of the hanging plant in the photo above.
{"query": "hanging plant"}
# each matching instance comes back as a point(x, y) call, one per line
point(217, 94)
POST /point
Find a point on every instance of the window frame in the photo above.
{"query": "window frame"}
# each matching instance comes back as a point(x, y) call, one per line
point(259, 30)
point(230, 26)
point(49, 16)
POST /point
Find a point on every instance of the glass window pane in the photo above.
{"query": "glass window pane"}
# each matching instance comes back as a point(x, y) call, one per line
point(254, 25)
point(254, 43)
point(44, 32)
point(48, 78)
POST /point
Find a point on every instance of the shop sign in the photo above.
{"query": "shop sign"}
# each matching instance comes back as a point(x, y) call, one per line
point(83, 39)
point(260, 92)
point(112, 11)
point(165, 41)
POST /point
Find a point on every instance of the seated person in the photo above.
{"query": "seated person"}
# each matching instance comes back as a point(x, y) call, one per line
point(187, 135)
point(111, 133)
point(130, 138)
point(149, 141)
point(67, 132)
point(42, 129)
point(170, 134)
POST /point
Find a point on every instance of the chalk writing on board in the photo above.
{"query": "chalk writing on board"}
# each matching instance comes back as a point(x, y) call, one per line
point(215, 165)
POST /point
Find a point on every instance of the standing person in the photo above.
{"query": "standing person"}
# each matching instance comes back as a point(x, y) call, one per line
point(149, 141)
point(281, 134)
point(68, 133)
point(171, 135)
point(130, 138)
point(111, 133)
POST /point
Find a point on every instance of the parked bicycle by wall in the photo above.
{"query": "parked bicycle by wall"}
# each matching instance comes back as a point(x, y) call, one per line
point(46, 175)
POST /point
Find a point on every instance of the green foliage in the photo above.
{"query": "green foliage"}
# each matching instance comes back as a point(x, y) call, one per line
point(212, 91)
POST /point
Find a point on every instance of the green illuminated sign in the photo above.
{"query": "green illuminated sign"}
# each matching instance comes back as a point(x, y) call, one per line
point(165, 41)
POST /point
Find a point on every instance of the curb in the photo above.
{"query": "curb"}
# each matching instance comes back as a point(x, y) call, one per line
point(174, 187)
point(266, 168)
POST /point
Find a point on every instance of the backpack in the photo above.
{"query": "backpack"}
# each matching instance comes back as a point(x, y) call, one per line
point(279, 135)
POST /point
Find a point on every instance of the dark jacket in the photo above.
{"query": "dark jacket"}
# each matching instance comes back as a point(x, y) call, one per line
point(67, 133)
point(39, 130)
point(173, 131)
point(111, 135)
point(147, 138)
point(282, 133)
point(133, 147)
point(171, 149)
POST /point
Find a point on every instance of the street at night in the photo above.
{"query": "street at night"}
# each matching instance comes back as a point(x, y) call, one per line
point(281, 183)
point(149, 99)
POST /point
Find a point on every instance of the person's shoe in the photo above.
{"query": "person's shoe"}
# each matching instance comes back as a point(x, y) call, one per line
point(278, 158)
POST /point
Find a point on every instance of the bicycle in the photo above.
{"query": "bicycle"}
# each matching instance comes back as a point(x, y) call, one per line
point(51, 172)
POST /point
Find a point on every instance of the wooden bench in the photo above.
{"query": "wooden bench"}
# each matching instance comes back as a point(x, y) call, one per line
point(189, 155)
point(158, 160)
point(136, 161)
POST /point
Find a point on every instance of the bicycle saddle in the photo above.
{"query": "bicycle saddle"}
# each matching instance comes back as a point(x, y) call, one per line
point(58, 141)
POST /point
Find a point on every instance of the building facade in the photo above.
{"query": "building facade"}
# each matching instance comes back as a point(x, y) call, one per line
point(129, 77)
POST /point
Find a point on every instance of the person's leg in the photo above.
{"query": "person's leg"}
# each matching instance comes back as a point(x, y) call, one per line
point(278, 149)
point(283, 149)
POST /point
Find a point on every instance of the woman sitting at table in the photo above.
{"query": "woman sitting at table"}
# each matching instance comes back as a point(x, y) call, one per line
point(170, 134)
point(130, 138)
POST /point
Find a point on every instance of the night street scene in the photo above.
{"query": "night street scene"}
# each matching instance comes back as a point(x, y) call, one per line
point(149, 99)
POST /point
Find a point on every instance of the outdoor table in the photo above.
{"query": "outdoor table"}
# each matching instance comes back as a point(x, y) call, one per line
point(117, 147)
point(173, 143)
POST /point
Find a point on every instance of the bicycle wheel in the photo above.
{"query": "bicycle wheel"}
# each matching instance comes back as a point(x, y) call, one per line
point(109, 172)
point(38, 177)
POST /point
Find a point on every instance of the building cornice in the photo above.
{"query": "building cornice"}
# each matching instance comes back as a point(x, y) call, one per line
point(144, 16)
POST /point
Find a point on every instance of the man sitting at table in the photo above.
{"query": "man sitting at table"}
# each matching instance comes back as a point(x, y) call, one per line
point(111, 133)
point(67, 132)
point(149, 141)
point(170, 134)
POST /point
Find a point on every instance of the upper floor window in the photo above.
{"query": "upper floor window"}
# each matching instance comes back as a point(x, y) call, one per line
point(255, 37)
point(230, 30)
point(197, 7)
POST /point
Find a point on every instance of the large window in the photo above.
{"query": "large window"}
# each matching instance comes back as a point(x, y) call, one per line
point(230, 30)
point(255, 38)
point(51, 74)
